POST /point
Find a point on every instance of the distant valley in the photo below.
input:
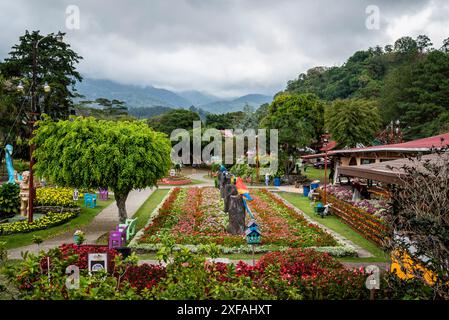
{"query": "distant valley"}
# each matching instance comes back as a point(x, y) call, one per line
point(151, 97)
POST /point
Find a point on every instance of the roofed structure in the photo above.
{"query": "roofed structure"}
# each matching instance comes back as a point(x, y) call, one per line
point(389, 171)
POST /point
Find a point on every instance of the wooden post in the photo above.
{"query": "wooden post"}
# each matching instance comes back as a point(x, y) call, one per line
point(32, 147)
point(325, 178)
point(254, 260)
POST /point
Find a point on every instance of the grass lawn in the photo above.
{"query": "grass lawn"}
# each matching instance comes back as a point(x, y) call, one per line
point(315, 174)
point(144, 212)
point(84, 218)
point(338, 226)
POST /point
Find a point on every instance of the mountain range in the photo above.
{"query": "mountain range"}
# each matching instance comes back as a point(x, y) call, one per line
point(149, 97)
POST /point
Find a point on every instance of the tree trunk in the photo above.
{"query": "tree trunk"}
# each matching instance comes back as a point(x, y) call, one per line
point(120, 199)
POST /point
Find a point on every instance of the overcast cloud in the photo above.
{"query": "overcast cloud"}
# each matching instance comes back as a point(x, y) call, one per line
point(226, 47)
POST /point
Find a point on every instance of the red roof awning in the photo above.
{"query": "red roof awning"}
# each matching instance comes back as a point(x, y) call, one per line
point(420, 145)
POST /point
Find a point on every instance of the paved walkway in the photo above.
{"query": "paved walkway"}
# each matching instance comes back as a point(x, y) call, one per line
point(347, 265)
point(104, 222)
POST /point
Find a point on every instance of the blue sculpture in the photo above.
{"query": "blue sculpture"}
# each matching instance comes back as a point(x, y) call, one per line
point(9, 166)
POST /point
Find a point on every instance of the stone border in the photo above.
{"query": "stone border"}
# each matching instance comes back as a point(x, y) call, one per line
point(362, 253)
point(47, 209)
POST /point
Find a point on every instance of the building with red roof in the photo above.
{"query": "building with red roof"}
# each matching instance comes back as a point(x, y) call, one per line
point(373, 154)
point(381, 153)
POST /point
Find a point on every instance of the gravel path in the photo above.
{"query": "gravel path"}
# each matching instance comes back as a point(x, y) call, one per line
point(104, 222)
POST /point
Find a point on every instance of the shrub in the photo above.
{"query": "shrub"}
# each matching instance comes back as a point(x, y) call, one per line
point(292, 274)
point(55, 197)
point(3, 252)
point(9, 200)
point(49, 220)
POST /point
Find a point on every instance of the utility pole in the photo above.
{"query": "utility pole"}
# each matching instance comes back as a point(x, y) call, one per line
point(257, 159)
point(33, 113)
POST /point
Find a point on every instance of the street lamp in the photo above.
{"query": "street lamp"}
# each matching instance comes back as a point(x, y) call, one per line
point(257, 159)
point(20, 87)
point(325, 141)
point(35, 111)
point(47, 88)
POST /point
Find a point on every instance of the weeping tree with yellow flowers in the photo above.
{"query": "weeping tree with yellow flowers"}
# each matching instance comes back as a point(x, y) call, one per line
point(420, 221)
point(90, 153)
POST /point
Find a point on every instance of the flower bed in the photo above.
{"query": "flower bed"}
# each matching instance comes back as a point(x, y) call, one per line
point(194, 216)
point(175, 181)
point(362, 221)
point(375, 207)
point(49, 220)
point(54, 197)
point(292, 274)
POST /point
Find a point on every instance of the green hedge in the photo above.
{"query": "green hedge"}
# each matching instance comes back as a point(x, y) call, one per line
point(9, 200)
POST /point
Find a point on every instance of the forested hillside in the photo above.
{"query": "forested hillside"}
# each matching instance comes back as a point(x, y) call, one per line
point(409, 81)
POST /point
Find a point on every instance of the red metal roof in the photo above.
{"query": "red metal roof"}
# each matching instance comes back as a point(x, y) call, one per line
point(314, 156)
point(439, 141)
point(331, 145)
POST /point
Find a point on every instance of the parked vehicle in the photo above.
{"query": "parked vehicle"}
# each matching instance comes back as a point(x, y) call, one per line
point(320, 164)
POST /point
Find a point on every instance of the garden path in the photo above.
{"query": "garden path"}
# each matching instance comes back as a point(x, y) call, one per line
point(104, 222)
point(348, 265)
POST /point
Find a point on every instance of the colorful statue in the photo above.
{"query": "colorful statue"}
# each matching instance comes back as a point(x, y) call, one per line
point(243, 191)
point(9, 165)
point(24, 193)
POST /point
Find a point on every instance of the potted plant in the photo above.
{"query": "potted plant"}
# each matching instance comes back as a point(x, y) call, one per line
point(78, 237)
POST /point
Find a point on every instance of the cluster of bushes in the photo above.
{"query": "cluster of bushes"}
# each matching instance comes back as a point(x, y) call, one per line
point(9, 200)
point(51, 219)
point(293, 274)
point(55, 197)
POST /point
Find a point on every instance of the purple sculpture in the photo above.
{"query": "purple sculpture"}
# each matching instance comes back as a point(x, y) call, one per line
point(104, 194)
point(115, 239)
point(122, 228)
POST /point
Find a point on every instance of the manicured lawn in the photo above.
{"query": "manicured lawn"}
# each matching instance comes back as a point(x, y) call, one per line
point(84, 218)
point(338, 226)
point(315, 174)
point(144, 212)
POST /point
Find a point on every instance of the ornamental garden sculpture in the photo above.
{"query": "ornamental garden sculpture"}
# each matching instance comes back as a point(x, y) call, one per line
point(24, 193)
point(9, 164)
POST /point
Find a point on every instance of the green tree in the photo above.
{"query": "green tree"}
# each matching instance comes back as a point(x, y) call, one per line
point(90, 153)
point(418, 95)
point(405, 45)
point(225, 120)
point(353, 121)
point(174, 119)
point(445, 46)
point(55, 65)
point(423, 43)
point(300, 121)
point(110, 109)
point(249, 121)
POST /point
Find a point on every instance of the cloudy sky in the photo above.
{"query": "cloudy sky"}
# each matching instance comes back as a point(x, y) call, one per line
point(224, 47)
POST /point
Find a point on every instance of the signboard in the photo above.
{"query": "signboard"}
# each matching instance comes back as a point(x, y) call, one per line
point(97, 262)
